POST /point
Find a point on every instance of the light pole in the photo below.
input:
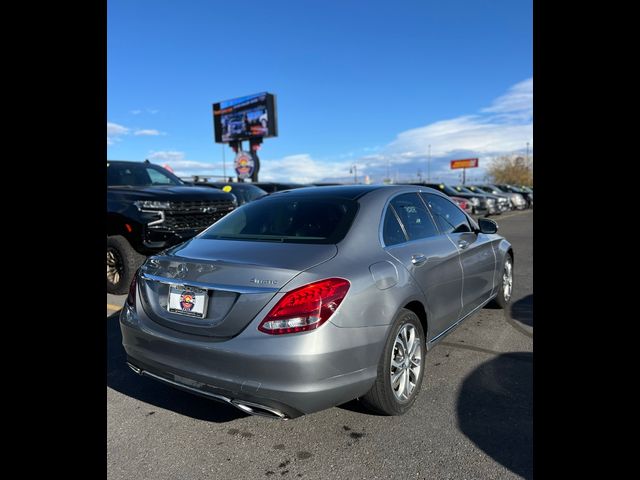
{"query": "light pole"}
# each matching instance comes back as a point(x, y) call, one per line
point(429, 164)
point(354, 170)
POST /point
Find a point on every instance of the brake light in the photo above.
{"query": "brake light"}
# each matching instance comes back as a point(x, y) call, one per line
point(305, 308)
point(131, 298)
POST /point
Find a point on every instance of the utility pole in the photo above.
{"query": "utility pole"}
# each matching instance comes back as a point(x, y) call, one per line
point(429, 164)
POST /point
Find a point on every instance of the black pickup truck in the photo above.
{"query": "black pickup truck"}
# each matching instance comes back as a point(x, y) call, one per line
point(148, 210)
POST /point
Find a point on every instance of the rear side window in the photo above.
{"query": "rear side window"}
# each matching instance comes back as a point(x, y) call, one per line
point(287, 219)
point(449, 217)
point(414, 216)
point(392, 233)
point(139, 175)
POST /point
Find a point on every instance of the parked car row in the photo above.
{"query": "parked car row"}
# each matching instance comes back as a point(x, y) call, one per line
point(487, 199)
point(479, 200)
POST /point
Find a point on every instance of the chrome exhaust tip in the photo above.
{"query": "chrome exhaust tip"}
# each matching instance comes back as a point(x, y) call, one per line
point(258, 410)
point(134, 368)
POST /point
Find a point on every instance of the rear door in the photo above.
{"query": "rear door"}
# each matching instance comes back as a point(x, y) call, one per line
point(476, 252)
point(411, 237)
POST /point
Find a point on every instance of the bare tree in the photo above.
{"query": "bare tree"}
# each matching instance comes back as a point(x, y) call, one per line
point(512, 169)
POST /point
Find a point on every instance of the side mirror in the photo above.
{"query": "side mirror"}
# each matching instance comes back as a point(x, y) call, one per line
point(487, 226)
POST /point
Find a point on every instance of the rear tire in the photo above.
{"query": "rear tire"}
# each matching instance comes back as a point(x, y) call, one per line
point(122, 263)
point(401, 367)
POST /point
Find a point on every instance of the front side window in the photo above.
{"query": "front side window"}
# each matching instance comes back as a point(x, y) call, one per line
point(159, 178)
point(448, 216)
point(414, 216)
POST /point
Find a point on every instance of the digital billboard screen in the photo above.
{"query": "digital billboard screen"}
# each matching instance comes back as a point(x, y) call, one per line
point(245, 118)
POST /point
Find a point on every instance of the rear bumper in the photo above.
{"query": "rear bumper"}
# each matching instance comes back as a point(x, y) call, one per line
point(293, 374)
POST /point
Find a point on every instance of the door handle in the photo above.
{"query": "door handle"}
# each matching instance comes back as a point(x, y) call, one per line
point(418, 259)
point(463, 244)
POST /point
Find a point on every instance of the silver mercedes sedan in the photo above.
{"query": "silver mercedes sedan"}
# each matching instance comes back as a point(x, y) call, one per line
point(310, 298)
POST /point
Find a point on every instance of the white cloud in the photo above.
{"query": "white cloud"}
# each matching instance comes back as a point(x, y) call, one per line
point(151, 132)
point(183, 167)
point(302, 168)
point(152, 111)
point(136, 112)
point(114, 132)
point(172, 155)
point(518, 101)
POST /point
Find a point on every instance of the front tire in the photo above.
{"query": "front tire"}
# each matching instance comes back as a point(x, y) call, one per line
point(122, 263)
point(505, 289)
point(401, 367)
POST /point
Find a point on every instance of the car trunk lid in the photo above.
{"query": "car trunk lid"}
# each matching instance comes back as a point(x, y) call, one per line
point(238, 279)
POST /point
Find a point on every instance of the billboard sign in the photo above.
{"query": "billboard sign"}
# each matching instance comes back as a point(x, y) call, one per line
point(464, 163)
point(244, 165)
point(245, 118)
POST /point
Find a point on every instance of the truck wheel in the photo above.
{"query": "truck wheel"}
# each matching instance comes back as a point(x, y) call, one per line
point(122, 263)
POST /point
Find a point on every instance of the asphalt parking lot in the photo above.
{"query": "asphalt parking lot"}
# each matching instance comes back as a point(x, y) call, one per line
point(472, 418)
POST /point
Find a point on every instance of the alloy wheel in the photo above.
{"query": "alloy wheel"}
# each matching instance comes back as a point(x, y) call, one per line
point(406, 362)
point(507, 280)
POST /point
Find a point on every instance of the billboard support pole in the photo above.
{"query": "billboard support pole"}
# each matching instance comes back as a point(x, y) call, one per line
point(224, 165)
point(254, 146)
point(236, 146)
point(256, 168)
point(464, 175)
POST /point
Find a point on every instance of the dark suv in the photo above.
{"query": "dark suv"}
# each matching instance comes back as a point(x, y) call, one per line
point(148, 210)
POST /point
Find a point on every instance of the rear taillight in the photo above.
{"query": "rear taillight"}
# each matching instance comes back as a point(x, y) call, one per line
point(131, 298)
point(305, 308)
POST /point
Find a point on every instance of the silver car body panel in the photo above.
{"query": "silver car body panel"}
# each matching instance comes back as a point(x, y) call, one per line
point(225, 353)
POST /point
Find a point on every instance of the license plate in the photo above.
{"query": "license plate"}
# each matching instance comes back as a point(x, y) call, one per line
point(186, 300)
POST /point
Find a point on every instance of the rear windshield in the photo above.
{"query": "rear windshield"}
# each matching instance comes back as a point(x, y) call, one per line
point(287, 219)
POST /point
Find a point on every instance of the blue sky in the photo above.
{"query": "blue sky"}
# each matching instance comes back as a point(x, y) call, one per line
point(366, 83)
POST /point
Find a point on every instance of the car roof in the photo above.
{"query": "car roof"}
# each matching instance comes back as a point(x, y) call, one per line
point(128, 162)
point(352, 192)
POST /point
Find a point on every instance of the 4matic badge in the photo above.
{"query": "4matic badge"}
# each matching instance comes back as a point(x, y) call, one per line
point(263, 282)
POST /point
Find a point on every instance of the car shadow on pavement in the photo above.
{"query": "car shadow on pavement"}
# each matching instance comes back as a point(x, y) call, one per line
point(522, 310)
point(122, 379)
point(495, 410)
